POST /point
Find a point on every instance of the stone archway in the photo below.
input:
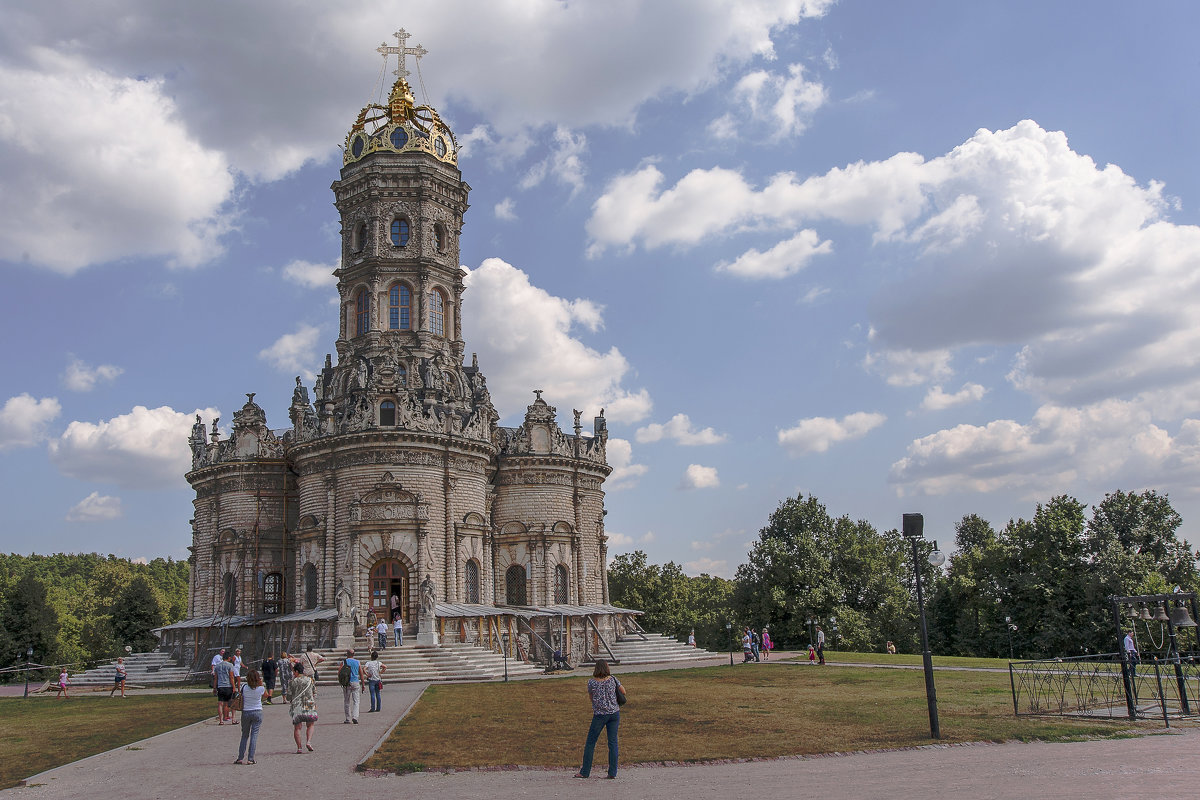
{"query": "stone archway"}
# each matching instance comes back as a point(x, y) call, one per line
point(390, 576)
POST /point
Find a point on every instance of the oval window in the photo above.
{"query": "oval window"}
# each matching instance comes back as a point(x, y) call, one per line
point(356, 147)
point(399, 138)
point(439, 146)
point(400, 232)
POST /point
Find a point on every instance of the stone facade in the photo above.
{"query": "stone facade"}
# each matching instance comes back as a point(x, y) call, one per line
point(394, 475)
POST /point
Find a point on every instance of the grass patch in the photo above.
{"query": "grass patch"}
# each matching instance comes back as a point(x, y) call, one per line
point(909, 660)
point(43, 733)
point(711, 713)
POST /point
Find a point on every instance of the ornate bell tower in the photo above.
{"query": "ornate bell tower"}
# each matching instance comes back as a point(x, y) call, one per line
point(401, 199)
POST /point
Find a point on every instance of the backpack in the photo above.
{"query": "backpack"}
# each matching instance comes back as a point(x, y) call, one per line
point(344, 674)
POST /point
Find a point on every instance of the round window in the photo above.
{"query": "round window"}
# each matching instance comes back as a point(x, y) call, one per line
point(399, 138)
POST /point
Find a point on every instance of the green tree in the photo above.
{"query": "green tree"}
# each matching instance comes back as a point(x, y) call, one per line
point(808, 564)
point(138, 610)
point(31, 621)
point(674, 603)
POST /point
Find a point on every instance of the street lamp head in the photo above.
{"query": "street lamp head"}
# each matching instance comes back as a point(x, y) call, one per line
point(29, 652)
point(936, 557)
point(913, 526)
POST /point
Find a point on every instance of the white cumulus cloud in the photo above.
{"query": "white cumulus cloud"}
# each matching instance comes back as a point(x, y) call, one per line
point(786, 258)
point(96, 508)
point(294, 352)
point(538, 348)
point(679, 430)
point(146, 448)
point(708, 566)
point(79, 377)
point(24, 419)
point(697, 476)
point(818, 434)
point(937, 399)
point(625, 473)
point(111, 154)
point(311, 275)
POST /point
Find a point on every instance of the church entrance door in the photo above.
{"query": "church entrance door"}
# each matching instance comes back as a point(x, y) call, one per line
point(389, 577)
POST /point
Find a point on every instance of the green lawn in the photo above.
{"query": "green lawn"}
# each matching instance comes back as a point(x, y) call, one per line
point(711, 713)
point(911, 660)
point(41, 732)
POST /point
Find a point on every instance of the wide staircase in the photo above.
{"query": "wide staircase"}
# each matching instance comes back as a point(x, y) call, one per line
point(654, 648)
point(449, 662)
point(143, 669)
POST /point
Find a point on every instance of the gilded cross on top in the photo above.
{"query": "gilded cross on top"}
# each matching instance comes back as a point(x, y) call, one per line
point(402, 37)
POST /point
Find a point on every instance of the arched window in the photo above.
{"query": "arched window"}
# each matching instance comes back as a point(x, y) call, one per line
point(400, 232)
point(387, 414)
point(273, 593)
point(310, 586)
point(362, 313)
point(229, 595)
point(514, 585)
point(360, 238)
point(437, 313)
point(439, 237)
point(399, 308)
point(472, 581)
point(402, 375)
point(561, 585)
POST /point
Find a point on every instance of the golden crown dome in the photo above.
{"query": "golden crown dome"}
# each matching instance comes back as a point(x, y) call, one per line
point(401, 126)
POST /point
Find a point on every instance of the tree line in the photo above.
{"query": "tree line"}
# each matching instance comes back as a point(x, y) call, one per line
point(83, 608)
point(1051, 576)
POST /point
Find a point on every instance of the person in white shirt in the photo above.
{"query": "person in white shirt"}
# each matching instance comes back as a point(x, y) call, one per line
point(1131, 656)
point(372, 673)
point(382, 630)
point(237, 661)
point(820, 645)
point(398, 627)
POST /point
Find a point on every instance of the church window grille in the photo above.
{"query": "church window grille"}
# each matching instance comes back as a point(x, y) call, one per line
point(514, 585)
point(471, 580)
point(360, 239)
point(273, 593)
point(399, 308)
point(229, 595)
point(400, 232)
point(439, 238)
point(362, 313)
point(387, 414)
point(437, 313)
point(402, 375)
point(310, 586)
point(561, 583)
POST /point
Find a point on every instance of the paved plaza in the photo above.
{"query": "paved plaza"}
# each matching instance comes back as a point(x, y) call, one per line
point(199, 759)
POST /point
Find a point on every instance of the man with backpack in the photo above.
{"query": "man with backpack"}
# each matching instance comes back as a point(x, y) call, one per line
point(348, 677)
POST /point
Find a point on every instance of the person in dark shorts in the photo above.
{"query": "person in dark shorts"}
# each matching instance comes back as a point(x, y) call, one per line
point(119, 678)
point(269, 670)
point(227, 682)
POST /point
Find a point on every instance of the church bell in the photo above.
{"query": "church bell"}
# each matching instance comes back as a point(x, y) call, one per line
point(1180, 617)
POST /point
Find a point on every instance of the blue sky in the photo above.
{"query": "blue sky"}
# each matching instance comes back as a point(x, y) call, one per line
point(936, 257)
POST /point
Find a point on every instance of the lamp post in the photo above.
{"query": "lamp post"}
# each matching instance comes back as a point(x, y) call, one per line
point(914, 529)
point(28, 659)
point(729, 633)
point(1008, 625)
point(810, 622)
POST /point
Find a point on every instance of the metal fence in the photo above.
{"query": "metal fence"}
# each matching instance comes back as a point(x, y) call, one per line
point(1096, 686)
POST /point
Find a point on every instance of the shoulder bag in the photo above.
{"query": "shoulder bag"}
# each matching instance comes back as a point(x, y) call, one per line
point(621, 698)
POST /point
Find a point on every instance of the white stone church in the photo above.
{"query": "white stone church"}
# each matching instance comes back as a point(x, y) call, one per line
point(394, 479)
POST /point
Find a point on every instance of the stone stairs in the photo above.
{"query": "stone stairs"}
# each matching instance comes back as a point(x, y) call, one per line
point(143, 669)
point(449, 662)
point(655, 649)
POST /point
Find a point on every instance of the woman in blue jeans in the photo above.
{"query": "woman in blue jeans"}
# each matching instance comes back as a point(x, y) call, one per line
point(252, 697)
point(606, 715)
